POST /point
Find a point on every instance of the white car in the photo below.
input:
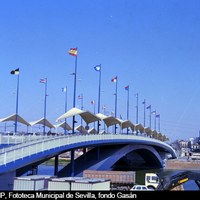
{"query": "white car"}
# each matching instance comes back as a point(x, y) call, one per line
point(139, 188)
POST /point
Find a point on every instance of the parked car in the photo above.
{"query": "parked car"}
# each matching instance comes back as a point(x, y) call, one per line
point(140, 187)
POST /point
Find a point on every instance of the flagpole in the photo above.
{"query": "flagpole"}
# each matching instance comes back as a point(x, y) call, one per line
point(144, 102)
point(150, 117)
point(81, 109)
point(45, 105)
point(104, 112)
point(17, 100)
point(116, 104)
point(158, 122)
point(94, 112)
point(137, 109)
point(74, 100)
point(155, 120)
point(99, 99)
point(127, 105)
point(65, 108)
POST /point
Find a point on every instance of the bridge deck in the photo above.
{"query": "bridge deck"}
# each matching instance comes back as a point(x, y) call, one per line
point(26, 150)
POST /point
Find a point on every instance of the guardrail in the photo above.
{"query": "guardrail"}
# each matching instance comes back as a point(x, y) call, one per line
point(16, 139)
point(13, 153)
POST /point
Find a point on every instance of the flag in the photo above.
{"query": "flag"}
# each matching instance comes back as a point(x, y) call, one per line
point(153, 112)
point(64, 89)
point(149, 107)
point(73, 51)
point(127, 87)
point(97, 67)
point(144, 102)
point(158, 115)
point(114, 79)
point(43, 80)
point(80, 96)
point(15, 72)
point(92, 102)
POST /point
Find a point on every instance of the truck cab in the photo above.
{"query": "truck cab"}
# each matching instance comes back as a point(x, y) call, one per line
point(151, 180)
point(195, 155)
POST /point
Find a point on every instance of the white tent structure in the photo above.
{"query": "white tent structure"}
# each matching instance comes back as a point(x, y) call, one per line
point(102, 132)
point(127, 124)
point(160, 136)
point(13, 118)
point(164, 138)
point(92, 130)
point(148, 131)
point(154, 134)
point(64, 125)
point(101, 116)
point(139, 127)
point(109, 120)
point(81, 129)
point(41, 121)
point(87, 116)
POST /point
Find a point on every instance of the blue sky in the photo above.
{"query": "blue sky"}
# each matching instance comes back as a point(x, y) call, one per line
point(151, 45)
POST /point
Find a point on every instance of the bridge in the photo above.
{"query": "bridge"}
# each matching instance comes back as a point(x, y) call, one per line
point(100, 152)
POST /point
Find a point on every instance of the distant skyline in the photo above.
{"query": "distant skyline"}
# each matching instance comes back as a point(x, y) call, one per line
point(151, 46)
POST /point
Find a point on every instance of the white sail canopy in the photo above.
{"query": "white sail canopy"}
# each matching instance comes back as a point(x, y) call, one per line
point(64, 125)
point(139, 127)
point(81, 129)
point(147, 130)
point(109, 120)
point(87, 116)
point(92, 130)
point(126, 124)
point(13, 118)
point(41, 121)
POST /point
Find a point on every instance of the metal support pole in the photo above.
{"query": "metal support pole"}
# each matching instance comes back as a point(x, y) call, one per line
point(56, 166)
point(72, 163)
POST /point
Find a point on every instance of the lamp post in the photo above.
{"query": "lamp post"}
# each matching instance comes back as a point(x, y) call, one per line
point(45, 101)
point(16, 72)
point(115, 80)
point(98, 68)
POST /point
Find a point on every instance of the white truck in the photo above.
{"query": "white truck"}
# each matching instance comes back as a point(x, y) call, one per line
point(194, 155)
point(151, 180)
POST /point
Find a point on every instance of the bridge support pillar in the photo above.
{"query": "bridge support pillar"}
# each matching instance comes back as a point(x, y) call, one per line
point(56, 166)
point(84, 153)
point(98, 153)
point(72, 163)
point(7, 181)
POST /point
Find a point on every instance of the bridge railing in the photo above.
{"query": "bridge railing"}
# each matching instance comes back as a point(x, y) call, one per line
point(9, 140)
point(30, 148)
